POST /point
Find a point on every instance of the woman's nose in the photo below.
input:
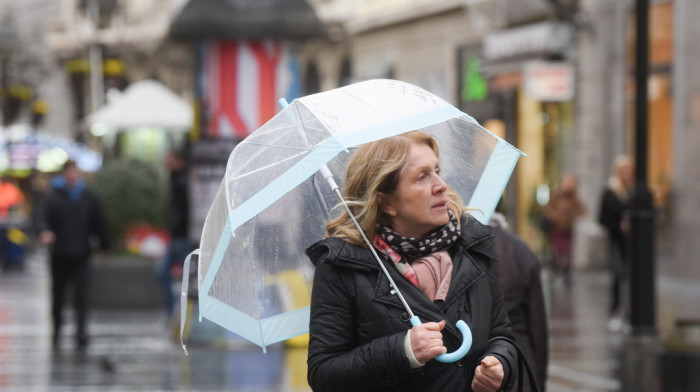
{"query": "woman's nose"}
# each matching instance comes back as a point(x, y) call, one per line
point(440, 184)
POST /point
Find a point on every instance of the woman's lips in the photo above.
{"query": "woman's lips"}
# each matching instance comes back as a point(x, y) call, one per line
point(441, 204)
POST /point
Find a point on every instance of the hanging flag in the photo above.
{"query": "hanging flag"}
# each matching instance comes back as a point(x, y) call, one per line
point(242, 82)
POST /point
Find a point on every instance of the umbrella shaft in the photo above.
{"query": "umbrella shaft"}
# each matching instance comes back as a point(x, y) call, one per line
point(374, 252)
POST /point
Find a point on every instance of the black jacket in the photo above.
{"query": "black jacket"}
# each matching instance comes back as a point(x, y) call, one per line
point(358, 326)
point(178, 204)
point(519, 273)
point(74, 222)
point(612, 212)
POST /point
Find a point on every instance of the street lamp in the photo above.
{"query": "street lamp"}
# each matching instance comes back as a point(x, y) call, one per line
point(642, 298)
point(641, 350)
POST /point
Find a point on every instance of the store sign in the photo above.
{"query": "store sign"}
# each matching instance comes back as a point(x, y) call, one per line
point(545, 81)
point(527, 41)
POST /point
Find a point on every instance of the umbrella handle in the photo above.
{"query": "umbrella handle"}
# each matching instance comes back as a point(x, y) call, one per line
point(461, 351)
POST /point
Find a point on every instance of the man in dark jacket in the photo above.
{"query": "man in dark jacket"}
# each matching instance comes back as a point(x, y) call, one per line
point(69, 217)
point(519, 274)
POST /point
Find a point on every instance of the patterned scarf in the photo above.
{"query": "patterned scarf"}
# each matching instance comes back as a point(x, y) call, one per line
point(394, 245)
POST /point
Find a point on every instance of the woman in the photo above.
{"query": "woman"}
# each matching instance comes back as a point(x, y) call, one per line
point(360, 335)
point(614, 208)
point(561, 212)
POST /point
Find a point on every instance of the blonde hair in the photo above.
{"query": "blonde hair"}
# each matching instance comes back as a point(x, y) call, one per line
point(373, 168)
point(615, 183)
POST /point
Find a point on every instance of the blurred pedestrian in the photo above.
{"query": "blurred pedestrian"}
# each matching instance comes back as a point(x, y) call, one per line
point(519, 274)
point(439, 257)
point(561, 212)
point(70, 216)
point(614, 216)
point(177, 216)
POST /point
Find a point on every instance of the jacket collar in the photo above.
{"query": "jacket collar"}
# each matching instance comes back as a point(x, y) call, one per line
point(474, 238)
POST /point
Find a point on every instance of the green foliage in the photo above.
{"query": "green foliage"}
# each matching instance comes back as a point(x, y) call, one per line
point(131, 193)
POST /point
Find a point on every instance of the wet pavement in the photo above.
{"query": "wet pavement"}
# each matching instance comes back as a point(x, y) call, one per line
point(135, 350)
point(584, 355)
point(128, 350)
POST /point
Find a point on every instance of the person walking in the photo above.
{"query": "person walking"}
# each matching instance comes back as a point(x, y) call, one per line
point(614, 217)
point(561, 212)
point(177, 216)
point(519, 274)
point(70, 216)
point(442, 261)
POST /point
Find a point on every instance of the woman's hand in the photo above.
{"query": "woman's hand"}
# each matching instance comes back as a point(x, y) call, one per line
point(488, 376)
point(426, 341)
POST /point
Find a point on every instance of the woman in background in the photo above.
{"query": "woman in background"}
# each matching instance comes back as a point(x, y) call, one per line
point(614, 211)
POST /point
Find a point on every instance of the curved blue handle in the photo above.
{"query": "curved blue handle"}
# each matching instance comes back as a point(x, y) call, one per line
point(462, 350)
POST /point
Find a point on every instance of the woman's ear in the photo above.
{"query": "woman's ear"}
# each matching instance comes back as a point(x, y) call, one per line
point(384, 204)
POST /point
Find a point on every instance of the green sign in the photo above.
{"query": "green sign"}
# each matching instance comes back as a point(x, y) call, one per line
point(474, 88)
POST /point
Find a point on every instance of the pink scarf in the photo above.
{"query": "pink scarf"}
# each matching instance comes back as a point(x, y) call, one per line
point(432, 273)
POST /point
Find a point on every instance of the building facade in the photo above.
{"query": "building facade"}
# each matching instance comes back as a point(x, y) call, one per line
point(484, 57)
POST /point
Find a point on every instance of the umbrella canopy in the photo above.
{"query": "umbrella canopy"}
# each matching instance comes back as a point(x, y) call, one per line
point(272, 204)
point(147, 103)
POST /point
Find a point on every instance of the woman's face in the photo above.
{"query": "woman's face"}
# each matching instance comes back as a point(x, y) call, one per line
point(419, 204)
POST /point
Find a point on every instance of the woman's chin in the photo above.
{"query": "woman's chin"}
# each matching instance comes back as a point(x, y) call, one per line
point(442, 217)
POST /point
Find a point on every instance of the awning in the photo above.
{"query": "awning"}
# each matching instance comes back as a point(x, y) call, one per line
point(147, 103)
point(246, 19)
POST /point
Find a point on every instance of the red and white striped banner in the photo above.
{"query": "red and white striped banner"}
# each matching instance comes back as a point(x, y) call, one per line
point(243, 81)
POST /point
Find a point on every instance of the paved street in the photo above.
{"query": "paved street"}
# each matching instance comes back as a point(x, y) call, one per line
point(584, 354)
point(133, 350)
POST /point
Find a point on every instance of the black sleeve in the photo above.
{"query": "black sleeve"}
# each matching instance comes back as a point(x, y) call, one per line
point(537, 320)
point(41, 214)
point(98, 223)
point(336, 362)
point(500, 327)
point(609, 216)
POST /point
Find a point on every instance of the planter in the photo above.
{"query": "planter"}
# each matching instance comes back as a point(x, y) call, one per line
point(124, 282)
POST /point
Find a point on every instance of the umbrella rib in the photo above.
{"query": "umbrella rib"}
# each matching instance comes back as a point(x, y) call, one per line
point(266, 166)
point(272, 145)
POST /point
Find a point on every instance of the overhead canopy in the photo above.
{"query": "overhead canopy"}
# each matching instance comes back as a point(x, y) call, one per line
point(147, 103)
point(246, 19)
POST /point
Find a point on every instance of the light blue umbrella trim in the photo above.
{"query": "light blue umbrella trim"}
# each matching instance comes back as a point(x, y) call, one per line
point(216, 259)
point(233, 320)
point(494, 180)
point(414, 122)
point(286, 325)
point(261, 332)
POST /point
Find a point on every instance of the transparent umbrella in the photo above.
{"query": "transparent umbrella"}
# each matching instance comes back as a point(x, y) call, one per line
point(254, 278)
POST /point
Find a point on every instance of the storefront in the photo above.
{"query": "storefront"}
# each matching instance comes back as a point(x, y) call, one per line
point(519, 85)
point(660, 105)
